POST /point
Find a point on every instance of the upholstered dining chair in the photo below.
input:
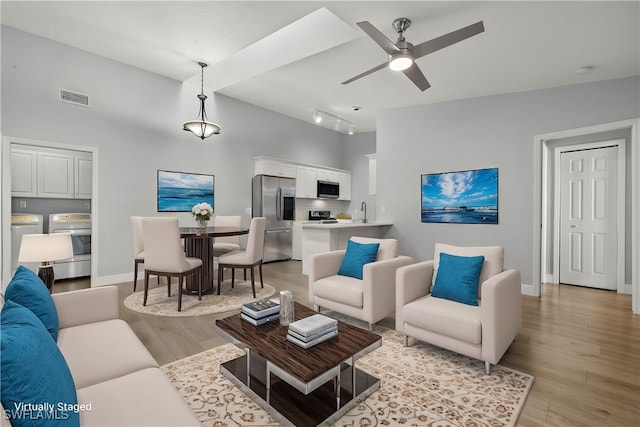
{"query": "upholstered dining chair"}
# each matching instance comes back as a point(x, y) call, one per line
point(138, 247)
point(250, 257)
point(463, 300)
point(164, 256)
point(222, 245)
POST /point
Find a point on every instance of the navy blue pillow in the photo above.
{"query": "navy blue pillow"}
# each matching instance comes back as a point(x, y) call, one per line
point(33, 371)
point(29, 291)
point(457, 278)
point(357, 255)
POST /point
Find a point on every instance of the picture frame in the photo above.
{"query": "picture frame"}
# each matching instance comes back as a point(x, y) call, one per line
point(460, 197)
point(180, 191)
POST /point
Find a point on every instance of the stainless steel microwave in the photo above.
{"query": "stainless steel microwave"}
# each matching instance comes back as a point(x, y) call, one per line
point(328, 190)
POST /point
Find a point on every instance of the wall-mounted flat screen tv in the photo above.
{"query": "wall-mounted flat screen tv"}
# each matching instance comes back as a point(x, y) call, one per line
point(464, 197)
point(180, 191)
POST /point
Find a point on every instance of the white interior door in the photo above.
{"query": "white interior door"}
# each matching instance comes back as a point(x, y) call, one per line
point(588, 217)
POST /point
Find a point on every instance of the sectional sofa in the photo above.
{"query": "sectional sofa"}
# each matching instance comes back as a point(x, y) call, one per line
point(69, 358)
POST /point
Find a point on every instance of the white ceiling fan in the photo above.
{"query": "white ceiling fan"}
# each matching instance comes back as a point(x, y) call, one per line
point(402, 54)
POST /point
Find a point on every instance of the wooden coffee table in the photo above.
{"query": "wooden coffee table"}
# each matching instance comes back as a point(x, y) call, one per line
point(295, 386)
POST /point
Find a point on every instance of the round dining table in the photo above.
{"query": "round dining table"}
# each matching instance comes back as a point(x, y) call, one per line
point(198, 243)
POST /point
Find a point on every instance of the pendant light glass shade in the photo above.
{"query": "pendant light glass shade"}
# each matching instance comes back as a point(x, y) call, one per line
point(201, 127)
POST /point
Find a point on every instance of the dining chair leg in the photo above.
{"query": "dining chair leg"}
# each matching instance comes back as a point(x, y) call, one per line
point(180, 280)
point(233, 276)
point(260, 269)
point(253, 282)
point(219, 278)
point(135, 275)
point(198, 278)
point(168, 285)
point(245, 274)
point(146, 288)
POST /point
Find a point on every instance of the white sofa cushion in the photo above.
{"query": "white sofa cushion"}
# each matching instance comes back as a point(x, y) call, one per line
point(142, 398)
point(100, 351)
point(493, 259)
point(341, 289)
point(445, 317)
point(388, 247)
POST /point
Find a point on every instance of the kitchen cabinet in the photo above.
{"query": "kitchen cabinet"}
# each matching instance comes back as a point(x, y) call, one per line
point(307, 182)
point(55, 175)
point(328, 175)
point(83, 176)
point(24, 173)
point(345, 186)
point(51, 173)
point(274, 168)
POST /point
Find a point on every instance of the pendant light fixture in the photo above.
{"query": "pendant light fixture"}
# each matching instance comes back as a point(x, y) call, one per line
point(201, 127)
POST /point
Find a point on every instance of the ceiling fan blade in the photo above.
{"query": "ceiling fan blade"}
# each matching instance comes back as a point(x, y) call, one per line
point(386, 44)
point(416, 76)
point(447, 40)
point(366, 73)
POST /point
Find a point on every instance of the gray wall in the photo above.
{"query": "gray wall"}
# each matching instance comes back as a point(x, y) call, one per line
point(355, 150)
point(485, 132)
point(135, 123)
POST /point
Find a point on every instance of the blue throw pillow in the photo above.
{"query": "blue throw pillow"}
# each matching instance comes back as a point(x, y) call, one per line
point(29, 291)
point(357, 255)
point(457, 278)
point(35, 379)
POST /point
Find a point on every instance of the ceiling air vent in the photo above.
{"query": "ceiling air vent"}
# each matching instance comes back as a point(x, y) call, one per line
point(76, 98)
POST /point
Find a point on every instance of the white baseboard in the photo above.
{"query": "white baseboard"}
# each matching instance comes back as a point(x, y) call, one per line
point(112, 280)
point(529, 290)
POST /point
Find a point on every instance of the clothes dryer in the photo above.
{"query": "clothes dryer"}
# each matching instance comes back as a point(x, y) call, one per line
point(21, 224)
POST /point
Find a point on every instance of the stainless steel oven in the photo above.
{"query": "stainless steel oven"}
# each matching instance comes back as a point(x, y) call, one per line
point(79, 226)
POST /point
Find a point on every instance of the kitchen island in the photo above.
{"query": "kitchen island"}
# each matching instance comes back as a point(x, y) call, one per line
point(322, 237)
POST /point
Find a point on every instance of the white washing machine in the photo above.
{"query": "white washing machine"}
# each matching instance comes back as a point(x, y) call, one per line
point(21, 224)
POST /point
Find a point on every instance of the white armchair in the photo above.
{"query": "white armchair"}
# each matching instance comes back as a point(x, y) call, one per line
point(370, 299)
point(483, 332)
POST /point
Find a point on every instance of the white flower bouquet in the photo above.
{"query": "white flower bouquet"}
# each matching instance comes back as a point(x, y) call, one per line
point(202, 211)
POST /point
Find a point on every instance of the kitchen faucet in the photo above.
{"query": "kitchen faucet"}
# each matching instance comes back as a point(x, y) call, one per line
point(363, 207)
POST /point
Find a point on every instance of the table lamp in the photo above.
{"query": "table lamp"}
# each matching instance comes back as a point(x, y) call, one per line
point(45, 248)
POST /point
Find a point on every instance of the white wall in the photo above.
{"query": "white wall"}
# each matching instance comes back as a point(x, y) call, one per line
point(486, 132)
point(135, 124)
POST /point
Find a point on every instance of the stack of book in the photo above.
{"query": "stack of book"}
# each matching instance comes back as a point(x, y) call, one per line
point(260, 312)
point(312, 330)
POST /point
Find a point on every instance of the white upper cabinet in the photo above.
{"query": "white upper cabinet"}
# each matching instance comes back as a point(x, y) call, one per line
point(51, 173)
point(307, 182)
point(24, 173)
point(55, 175)
point(345, 186)
point(328, 175)
point(274, 168)
point(83, 169)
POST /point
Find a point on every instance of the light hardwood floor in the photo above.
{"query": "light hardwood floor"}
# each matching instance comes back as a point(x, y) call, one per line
point(582, 345)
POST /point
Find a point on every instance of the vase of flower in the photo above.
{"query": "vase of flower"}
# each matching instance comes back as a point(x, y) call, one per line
point(202, 213)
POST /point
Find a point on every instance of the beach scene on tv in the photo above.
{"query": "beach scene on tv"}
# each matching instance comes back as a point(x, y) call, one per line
point(180, 191)
point(466, 197)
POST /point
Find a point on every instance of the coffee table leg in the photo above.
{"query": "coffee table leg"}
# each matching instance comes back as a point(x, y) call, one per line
point(268, 382)
point(338, 391)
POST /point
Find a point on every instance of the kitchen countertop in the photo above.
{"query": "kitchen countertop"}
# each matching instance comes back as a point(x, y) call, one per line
point(319, 225)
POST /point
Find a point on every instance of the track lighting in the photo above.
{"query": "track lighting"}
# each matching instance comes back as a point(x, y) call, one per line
point(340, 123)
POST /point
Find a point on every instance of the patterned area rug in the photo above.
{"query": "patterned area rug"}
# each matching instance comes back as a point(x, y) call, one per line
point(230, 299)
point(421, 385)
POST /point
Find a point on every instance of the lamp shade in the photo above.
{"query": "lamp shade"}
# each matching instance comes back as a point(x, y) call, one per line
point(45, 247)
point(201, 128)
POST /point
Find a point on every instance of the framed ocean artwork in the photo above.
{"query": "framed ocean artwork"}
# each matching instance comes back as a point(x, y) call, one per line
point(462, 197)
point(180, 191)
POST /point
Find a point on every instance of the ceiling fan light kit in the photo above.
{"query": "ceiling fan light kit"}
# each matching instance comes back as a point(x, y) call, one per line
point(402, 54)
point(201, 127)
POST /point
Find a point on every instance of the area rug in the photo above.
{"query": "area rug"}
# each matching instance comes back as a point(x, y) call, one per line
point(230, 299)
point(421, 385)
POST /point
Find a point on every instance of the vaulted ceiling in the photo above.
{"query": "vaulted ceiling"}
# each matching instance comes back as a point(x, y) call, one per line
point(291, 56)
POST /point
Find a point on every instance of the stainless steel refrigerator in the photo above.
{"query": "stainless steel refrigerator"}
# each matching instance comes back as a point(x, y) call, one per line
point(274, 198)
